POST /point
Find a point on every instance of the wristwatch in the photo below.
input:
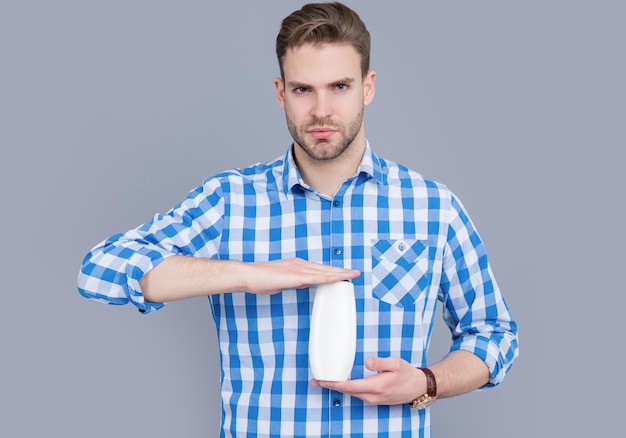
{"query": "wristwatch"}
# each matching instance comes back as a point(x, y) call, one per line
point(431, 391)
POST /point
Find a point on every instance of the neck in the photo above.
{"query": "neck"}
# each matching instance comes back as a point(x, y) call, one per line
point(326, 176)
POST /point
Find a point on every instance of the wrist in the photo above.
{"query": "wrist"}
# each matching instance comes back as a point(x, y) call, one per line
point(430, 396)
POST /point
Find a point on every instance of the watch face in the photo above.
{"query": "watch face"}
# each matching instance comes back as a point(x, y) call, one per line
point(429, 401)
point(423, 402)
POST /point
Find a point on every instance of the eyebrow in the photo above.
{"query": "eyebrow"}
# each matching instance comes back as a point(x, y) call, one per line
point(296, 84)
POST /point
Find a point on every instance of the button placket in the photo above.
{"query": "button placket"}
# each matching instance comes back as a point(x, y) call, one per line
point(336, 238)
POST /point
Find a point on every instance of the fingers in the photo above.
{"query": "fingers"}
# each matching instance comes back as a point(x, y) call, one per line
point(388, 386)
point(310, 273)
point(277, 275)
point(324, 270)
point(372, 389)
point(357, 387)
point(351, 387)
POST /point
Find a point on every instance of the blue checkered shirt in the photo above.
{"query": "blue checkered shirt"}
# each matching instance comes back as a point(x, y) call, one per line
point(409, 236)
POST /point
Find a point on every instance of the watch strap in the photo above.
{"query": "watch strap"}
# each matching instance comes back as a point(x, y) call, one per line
point(431, 382)
point(431, 391)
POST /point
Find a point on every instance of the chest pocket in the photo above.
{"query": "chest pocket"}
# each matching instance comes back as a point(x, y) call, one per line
point(400, 271)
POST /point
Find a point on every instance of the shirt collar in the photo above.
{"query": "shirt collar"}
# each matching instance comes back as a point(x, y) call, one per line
point(371, 166)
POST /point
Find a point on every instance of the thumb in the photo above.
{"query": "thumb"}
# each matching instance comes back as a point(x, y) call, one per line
point(380, 364)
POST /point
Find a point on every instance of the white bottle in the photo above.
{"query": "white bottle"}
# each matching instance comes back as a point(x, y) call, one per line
point(332, 338)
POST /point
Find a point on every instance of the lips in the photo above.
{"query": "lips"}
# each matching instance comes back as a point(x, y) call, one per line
point(321, 133)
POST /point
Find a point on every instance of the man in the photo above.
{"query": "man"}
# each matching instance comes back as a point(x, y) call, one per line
point(257, 240)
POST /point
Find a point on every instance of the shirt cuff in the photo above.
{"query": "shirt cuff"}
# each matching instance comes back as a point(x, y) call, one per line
point(497, 356)
point(139, 264)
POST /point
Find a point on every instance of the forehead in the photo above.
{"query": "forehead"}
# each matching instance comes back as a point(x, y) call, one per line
point(323, 63)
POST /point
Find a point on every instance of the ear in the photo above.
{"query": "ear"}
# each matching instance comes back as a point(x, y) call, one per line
point(369, 87)
point(279, 84)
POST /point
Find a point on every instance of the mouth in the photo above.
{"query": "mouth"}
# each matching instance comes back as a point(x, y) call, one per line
point(321, 133)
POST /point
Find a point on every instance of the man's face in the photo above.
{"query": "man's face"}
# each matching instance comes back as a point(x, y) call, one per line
point(323, 95)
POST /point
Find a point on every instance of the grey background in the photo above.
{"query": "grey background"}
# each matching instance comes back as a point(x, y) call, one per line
point(111, 111)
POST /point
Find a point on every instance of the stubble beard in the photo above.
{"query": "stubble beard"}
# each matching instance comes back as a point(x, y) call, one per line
point(323, 150)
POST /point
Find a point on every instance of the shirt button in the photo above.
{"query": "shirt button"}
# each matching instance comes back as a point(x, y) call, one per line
point(336, 203)
point(336, 402)
point(338, 251)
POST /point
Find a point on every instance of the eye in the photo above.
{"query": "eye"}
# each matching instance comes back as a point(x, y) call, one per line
point(341, 87)
point(300, 90)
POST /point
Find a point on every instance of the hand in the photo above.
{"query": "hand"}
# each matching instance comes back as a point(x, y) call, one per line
point(181, 277)
point(397, 382)
point(274, 276)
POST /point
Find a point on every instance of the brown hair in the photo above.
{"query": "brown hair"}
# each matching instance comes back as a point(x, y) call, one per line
point(319, 23)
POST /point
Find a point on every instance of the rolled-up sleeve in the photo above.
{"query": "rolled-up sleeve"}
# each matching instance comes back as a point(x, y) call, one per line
point(112, 271)
point(473, 306)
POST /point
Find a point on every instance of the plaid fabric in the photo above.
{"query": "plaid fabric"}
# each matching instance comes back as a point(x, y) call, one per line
point(409, 236)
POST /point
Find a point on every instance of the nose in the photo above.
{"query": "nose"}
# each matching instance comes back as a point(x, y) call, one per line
point(321, 107)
